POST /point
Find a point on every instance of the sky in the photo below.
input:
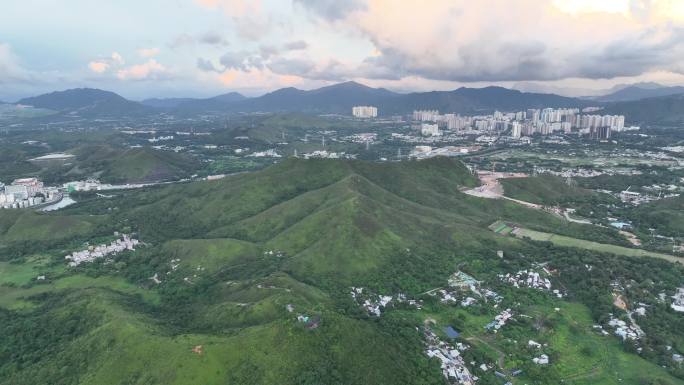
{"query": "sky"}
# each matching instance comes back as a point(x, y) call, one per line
point(201, 48)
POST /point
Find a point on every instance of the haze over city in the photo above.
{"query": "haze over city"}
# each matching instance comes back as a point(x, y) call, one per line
point(204, 47)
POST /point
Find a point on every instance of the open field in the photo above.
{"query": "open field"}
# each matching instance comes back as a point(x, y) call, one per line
point(22, 273)
point(562, 240)
point(16, 297)
point(596, 158)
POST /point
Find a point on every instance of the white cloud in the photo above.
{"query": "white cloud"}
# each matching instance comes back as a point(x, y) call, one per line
point(148, 52)
point(146, 71)
point(105, 64)
point(98, 66)
point(117, 58)
point(233, 8)
point(506, 40)
point(10, 69)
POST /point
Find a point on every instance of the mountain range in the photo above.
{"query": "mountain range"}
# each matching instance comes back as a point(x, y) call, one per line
point(664, 110)
point(216, 103)
point(639, 91)
point(340, 98)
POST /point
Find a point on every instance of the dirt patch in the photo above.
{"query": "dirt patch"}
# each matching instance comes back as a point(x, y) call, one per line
point(620, 302)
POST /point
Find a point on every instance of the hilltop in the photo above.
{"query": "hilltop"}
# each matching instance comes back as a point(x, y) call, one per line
point(134, 165)
point(247, 280)
point(87, 102)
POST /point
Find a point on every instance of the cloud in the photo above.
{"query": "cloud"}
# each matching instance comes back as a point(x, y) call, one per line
point(102, 65)
point(10, 69)
point(233, 8)
point(332, 9)
point(466, 41)
point(253, 28)
point(265, 56)
point(146, 71)
point(182, 40)
point(241, 60)
point(296, 45)
point(213, 38)
point(252, 81)
point(210, 38)
point(299, 67)
point(148, 52)
point(249, 21)
point(206, 65)
point(117, 58)
point(98, 66)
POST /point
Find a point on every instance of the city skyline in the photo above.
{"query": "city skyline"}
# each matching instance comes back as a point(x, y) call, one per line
point(207, 47)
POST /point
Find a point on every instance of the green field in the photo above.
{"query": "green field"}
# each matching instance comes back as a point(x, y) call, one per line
point(17, 297)
point(501, 228)
point(550, 190)
point(564, 241)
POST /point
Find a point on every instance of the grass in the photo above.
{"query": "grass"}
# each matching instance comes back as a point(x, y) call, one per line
point(564, 241)
point(549, 190)
point(394, 226)
point(17, 297)
point(131, 348)
point(586, 357)
point(211, 254)
point(26, 271)
point(22, 225)
point(147, 165)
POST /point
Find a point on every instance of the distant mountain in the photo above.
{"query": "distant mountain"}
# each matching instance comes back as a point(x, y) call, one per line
point(340, 98)
point(165, 102)
point(640, 91)
point(479, 100)
point(87, 102)
point(214, 104)
point(563, 91)
point(664, 109)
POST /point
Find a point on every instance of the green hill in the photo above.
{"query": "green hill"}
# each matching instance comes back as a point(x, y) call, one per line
point(549, 190)
point(228, 265)
point(666, 215)
point(134, 165)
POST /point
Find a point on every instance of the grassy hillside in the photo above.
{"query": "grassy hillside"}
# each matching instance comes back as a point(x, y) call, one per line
point(21, 225)
point(229, 265)
point(666, 215)
point(133, 165)
point(549, 190)
point(664, 109)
